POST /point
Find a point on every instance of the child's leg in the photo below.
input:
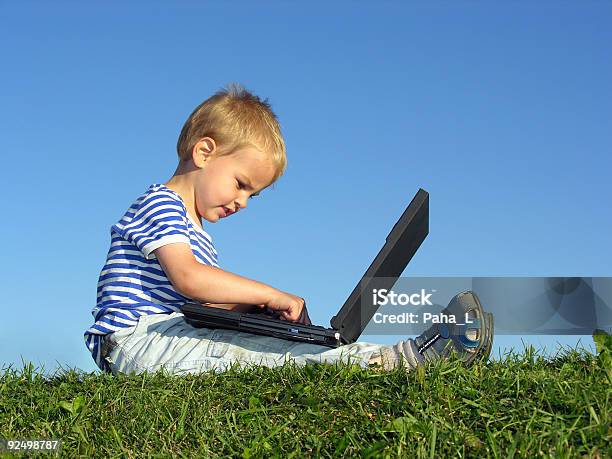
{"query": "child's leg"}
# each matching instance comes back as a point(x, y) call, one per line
point(166, 340)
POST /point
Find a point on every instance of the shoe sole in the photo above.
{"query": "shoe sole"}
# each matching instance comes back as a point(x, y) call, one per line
point(489, 333)
point(483, 351)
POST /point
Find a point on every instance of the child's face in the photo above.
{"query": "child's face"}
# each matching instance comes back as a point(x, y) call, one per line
point(224, 184)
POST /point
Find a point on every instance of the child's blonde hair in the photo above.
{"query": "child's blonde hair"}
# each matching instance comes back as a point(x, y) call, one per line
point(234, 118)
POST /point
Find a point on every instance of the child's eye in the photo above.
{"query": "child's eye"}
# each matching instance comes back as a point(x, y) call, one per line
point(241, 185)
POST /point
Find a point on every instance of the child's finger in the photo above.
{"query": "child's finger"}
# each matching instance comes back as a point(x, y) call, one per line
point(286, 314)
point(290, 315)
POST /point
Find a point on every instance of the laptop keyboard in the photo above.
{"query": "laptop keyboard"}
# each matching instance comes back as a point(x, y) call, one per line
point(274, 317)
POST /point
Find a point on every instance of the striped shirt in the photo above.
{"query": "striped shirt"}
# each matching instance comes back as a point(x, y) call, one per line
point(132, 282)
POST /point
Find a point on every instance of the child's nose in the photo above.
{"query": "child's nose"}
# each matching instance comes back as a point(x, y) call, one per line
point(241, 203)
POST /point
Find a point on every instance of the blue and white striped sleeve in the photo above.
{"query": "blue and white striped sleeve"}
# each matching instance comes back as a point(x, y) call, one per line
point(159, 220)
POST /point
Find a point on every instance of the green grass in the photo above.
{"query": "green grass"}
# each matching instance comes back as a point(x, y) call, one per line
point(523, 405)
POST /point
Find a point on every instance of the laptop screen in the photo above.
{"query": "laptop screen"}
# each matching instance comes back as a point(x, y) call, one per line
point(400, 246)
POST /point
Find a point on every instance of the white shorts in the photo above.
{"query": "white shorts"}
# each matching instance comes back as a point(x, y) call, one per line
point(168, 341)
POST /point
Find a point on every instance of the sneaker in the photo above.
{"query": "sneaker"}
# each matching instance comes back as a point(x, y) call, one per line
point(471, 337)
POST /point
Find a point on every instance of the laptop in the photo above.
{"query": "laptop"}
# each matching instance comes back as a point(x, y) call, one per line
point(347, 325)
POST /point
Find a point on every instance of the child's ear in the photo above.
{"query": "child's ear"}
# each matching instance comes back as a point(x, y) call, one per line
point(203, 150)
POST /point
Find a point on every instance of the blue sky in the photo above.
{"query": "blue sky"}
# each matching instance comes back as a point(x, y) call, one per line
point(502, 112)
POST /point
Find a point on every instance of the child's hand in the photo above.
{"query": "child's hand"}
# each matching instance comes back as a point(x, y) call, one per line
point(288, 306)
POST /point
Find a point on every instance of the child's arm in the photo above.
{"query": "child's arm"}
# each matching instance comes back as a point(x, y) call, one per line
point(208, 284)
point(205, 283)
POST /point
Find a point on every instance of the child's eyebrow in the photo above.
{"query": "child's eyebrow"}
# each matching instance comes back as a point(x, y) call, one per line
point(246, 181)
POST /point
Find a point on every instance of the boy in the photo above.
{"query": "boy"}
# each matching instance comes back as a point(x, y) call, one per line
point(229, 149)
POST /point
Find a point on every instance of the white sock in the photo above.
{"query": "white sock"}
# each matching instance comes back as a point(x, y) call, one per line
point(389, 357)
